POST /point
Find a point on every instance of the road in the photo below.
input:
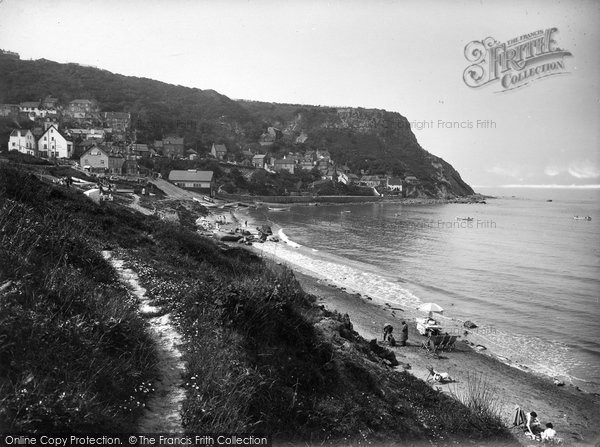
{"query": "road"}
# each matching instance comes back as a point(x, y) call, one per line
point(174, 192)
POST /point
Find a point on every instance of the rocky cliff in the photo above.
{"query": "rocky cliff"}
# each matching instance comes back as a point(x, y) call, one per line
point(371, 140)
point(367, 140)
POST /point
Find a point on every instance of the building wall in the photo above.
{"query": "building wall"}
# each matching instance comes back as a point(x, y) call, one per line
point(53, 145)
point(173, 149)
point(24, 143)
point(95, 159)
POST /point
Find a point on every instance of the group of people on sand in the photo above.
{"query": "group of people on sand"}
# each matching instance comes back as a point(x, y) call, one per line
point(535, 430)
point(387, 334)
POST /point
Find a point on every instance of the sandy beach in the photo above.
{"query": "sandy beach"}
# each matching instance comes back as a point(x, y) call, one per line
point(574, 413)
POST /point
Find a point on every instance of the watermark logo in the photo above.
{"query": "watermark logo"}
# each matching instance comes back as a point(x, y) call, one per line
point(515, 63)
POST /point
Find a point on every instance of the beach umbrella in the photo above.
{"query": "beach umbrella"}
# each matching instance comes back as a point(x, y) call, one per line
point(430, 308)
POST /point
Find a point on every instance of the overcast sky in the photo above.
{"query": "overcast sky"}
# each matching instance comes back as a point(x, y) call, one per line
point(403, 56)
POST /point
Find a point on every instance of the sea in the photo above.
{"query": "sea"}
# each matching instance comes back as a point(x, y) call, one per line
point(523, 269)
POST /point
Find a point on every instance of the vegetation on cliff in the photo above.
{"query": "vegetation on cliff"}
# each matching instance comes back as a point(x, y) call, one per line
point(261, 356)
point(372, 141)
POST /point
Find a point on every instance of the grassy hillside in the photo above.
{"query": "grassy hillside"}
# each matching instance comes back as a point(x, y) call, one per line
point(73, 350)
point(261, 356)
point(202, 116)
point(372, 140)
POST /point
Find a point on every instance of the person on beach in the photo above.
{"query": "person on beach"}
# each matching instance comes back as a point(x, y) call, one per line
point(387, 330)
point(403, 334)
point(391, 340)
point(532, 423)
point(549, 433)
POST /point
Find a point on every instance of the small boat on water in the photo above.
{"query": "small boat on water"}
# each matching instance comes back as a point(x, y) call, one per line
point(273, 208)
point(464, 218)
point(582, 217)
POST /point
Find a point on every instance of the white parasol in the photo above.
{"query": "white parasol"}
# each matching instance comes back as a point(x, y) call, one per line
point(430, 308)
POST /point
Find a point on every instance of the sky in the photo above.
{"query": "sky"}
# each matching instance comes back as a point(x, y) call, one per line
point(403, 56)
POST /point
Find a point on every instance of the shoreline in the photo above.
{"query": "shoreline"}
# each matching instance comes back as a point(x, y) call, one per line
point(572, 411)
point(347, 200)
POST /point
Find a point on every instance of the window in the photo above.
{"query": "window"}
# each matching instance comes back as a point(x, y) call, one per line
point(101, 162)
point(14, 144)
point(52, 138)
point(45, 146)
point(45, 138)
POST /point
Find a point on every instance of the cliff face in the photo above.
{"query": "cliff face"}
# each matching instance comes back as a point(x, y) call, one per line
point(374, 140)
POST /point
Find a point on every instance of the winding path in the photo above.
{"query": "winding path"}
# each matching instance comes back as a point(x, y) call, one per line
point(163, 410)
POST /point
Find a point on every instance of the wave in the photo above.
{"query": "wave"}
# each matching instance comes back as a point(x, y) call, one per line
point(287, 240)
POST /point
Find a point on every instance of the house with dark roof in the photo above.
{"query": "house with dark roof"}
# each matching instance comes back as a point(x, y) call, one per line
point(172, 146)
point(219, 151)
point(82, 108)
point(32, 109)
point(373, 181)
point(260, 160)
point(117, 121)
point(347, 178)
point(141, 150)
point(201, 181)
point(394, 184)
point(284, 164)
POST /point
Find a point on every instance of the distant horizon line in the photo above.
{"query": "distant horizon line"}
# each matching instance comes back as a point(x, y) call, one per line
point(550, 186)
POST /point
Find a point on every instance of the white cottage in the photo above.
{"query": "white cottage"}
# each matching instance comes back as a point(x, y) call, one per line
point(22, 140)
point(53, 145)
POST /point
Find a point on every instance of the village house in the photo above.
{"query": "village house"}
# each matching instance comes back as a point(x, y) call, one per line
point(394, 184)
point(173, 146)
point(140, 150)
point(130, 166)
point(347, 178)
point(32, 109)
point(306, 165)
point(247, 154)
point(330, 174)
point(50, 103)
point(373, 181)
point(82, 108)
point(52, 144)
point(219, 151)
point(100, 161)
point(310, 156)
point(260, 160)
point(284, 164)
point(88, 134)
point(118, 121)
point(202, 181)
point(22, 140)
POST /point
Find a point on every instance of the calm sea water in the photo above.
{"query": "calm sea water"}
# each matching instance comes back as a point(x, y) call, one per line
point(524, 270)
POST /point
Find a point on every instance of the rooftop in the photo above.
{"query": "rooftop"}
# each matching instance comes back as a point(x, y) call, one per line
point(190, 176)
